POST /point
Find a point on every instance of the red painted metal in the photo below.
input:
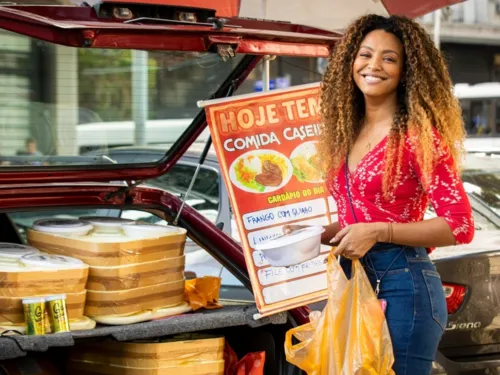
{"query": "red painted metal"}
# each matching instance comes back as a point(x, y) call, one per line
point(285, 49)
point(85, 18)
point(225, 8)
point(25, 197)
point(152, 38)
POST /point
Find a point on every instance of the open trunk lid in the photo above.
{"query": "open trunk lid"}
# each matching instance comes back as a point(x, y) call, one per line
point(179, 38)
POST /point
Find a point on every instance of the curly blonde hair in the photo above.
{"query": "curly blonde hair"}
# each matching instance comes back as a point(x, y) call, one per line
point(425, 100)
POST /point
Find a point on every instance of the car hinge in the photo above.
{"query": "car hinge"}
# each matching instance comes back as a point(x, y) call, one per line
point(125, 190)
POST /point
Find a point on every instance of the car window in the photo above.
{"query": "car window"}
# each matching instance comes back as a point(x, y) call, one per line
point(481, 222)
point(485, 186)
point(107, 98)
point(204, 195)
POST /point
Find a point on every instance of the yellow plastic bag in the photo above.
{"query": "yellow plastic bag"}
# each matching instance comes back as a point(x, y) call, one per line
point(350, 336)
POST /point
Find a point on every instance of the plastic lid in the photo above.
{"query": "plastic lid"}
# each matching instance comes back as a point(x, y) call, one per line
point(292, 238)
point(61, 225)
point(28, 301)
point(55, 297)
point(15, 251)
point(51, 261)
point(105, 220)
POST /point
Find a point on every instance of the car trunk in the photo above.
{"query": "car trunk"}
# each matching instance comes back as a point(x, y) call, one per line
point(34, 183)
point(235, 321)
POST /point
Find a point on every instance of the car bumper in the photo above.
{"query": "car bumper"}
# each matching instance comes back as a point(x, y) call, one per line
point(445, 366)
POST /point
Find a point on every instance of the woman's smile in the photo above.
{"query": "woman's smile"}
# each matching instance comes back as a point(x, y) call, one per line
point(372, 79)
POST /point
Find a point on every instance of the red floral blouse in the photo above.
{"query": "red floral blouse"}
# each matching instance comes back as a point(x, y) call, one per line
point(410, 200)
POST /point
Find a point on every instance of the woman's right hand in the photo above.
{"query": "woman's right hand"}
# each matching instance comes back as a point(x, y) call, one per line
point(289, 229)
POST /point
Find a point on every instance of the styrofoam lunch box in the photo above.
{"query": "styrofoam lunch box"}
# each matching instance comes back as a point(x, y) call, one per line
point(294, 248)
point(105, 224)
point(64, 227)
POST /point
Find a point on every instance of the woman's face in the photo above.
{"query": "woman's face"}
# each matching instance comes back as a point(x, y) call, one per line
point(378, 66)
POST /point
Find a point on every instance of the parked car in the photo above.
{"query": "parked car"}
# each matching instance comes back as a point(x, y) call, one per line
point(470, 278)
point(69, 185)
point(65, 184)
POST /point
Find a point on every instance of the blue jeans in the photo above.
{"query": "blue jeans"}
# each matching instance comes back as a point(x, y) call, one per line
point(416, 306)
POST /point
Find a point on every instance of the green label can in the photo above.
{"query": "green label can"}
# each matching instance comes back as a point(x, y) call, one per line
point(58, 313)
point(34, 316)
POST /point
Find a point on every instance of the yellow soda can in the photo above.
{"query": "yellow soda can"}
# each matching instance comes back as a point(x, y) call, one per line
point(58, 313)
point(34, 315)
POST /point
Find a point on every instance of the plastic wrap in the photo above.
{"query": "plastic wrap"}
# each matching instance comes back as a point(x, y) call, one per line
point(134, 300)
point(350, 336)
point(252, 364)
point(136, 275)
point(127, 275)
point(11, 308)
point(24, 282)
point(113, 251)
point(184, 357)
point(203, 292)
point(230, 360)
point(200, 368)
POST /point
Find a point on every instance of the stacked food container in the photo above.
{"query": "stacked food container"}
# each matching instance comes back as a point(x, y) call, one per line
point(182, 356)
point(136, 270)
point(25, 272)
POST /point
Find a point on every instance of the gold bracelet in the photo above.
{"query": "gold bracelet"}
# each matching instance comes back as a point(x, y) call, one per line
point(390, 232)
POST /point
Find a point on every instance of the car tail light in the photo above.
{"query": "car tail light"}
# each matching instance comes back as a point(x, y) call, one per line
point(455, 295)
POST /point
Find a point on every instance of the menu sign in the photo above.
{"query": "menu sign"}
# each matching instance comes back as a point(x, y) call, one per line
point(266, 144)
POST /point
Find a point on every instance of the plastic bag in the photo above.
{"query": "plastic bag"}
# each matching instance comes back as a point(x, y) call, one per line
point(252, 364)
point(350, 336)
point(230, 360)
point(203, 293)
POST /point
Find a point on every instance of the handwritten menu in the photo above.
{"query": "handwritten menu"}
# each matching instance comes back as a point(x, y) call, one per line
point(266, 144)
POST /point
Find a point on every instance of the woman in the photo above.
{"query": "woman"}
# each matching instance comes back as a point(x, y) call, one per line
point(392, 143)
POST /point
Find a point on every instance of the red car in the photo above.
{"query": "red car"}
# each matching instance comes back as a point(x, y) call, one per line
point(209, 58)
point(193, 57)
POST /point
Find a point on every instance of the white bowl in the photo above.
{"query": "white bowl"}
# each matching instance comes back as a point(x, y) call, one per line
point(291, 249)
point(150, 230)
point(65, 227)
point(104, 224)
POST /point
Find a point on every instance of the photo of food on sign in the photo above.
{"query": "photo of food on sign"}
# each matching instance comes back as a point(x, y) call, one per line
point(306, 163)
point(261, 171)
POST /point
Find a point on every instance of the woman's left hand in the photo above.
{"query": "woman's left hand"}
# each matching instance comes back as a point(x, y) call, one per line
point(357, 239)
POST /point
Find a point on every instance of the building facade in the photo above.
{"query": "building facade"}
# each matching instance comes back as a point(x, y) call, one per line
point(470, 40)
